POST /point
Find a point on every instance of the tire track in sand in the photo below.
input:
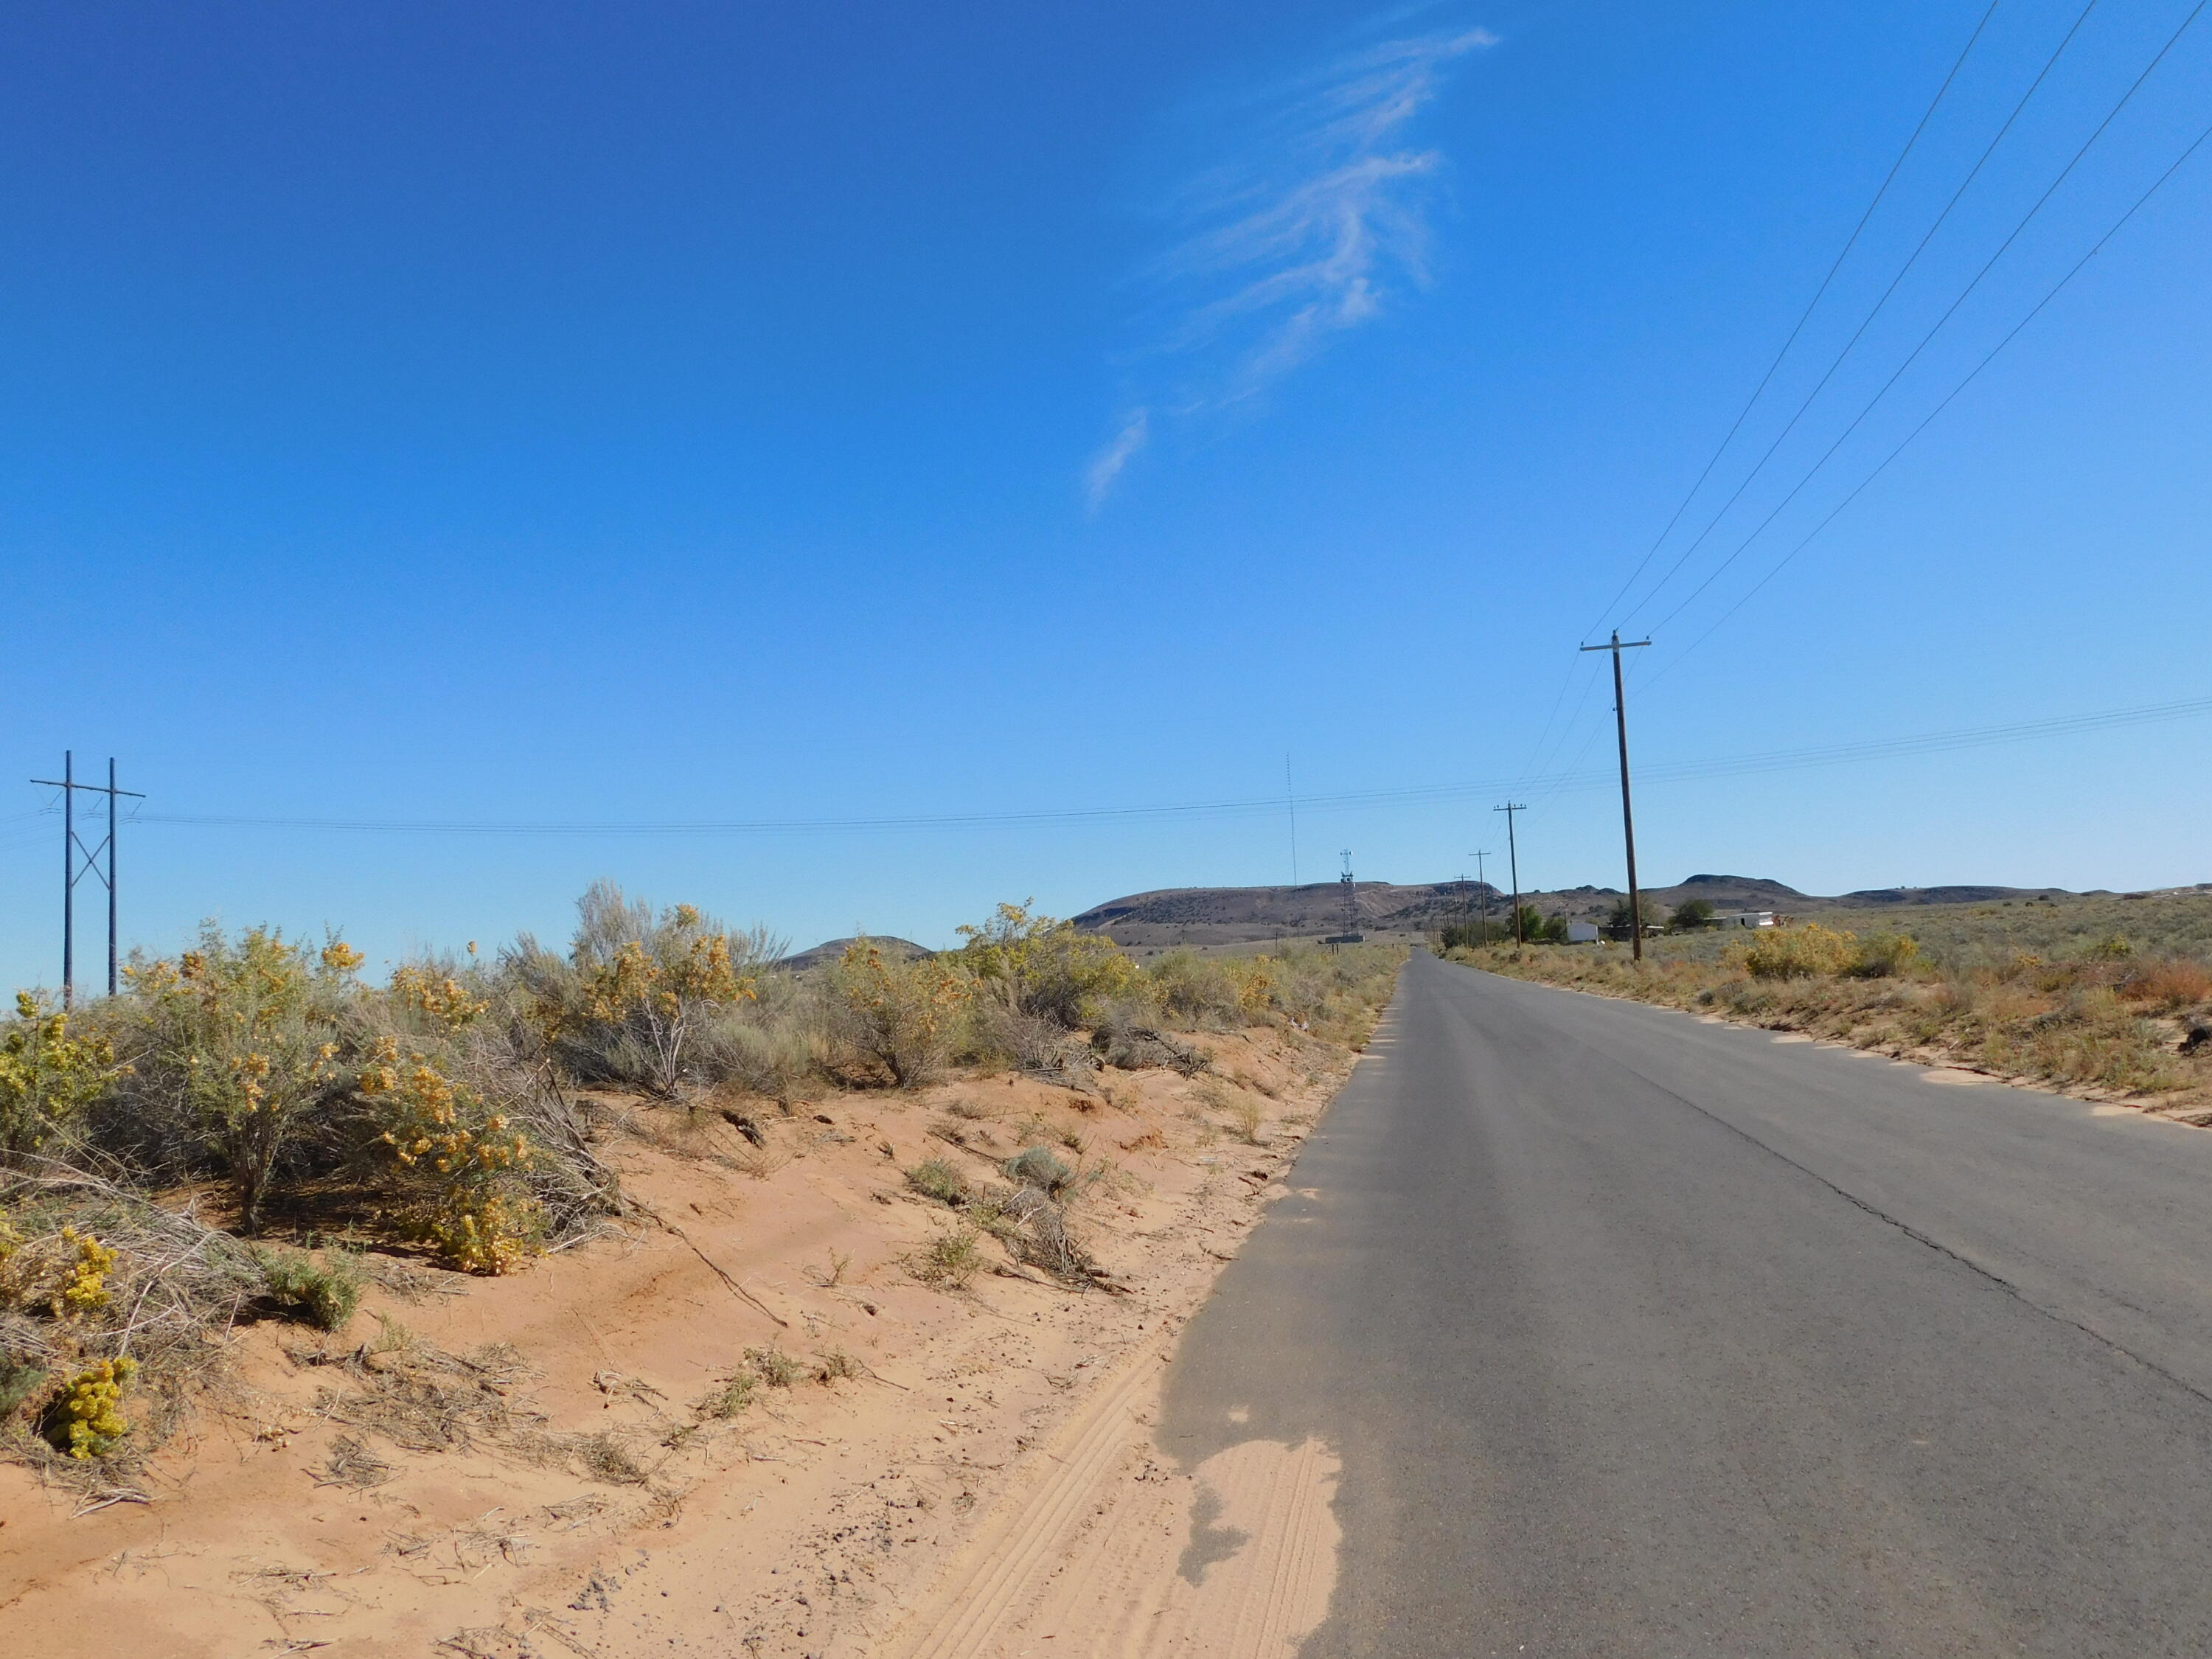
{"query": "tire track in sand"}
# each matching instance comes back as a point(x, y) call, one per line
point(1113, 1553)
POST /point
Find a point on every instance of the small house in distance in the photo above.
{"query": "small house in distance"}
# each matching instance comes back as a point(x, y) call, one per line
point(1751, 919)
point(1582, 932)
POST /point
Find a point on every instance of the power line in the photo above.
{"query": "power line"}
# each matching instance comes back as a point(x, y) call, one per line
point(1914, 356)
point(1867, 322)
point(2201, 139)
point(1806, 316)
point(1413, 795)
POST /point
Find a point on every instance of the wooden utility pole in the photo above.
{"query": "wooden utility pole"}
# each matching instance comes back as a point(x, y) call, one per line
point(1617, 645)
point(1513, 858)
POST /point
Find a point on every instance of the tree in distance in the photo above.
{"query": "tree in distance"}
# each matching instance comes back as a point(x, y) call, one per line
point(1689, 916)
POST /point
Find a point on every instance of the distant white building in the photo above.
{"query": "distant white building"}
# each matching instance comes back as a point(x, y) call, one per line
point(1748, 919)
point(1582, 932)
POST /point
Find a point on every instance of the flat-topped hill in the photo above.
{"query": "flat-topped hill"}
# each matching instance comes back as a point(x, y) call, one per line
point(1234, 915)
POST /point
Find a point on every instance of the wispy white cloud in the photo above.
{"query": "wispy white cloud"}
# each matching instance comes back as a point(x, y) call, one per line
point(1307, 228)
point(1106, 466)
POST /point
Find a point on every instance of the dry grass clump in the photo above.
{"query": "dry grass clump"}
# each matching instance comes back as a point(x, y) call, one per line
point(422, 1399)
point(1248, 1116)
point(325, 1293)
point(352, 1464)
point(102, 1292)
point(938, 1180)
point(1034, 1230)
point(731, 1397)
point(777, 1368)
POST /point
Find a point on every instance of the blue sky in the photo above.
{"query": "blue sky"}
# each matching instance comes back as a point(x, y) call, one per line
point(582, 414)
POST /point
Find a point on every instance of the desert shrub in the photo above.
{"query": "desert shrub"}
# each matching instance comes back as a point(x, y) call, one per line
point(902, 1014)
point(950, 1260)
point(766, 1047)
point(325, 1294)
point(1032, 1224)
point(1797, 952)
point(937, 1179)
point(1042, 966)
point(47, 1076)
point(2172, 983)
point(1211, 992)
point(241, 1040)
point(462, 1162)
point(628, 1003)
point(431, 990)
point(999, 1033)
point(1035, 1166)
point(1883, 955)
point(1336, 994)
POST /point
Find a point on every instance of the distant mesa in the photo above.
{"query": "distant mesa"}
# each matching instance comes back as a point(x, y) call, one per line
point(830, 948)
point(1880, 896)
point(1171, 916)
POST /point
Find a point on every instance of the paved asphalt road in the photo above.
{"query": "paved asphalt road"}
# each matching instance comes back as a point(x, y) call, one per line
point(1641, 1335)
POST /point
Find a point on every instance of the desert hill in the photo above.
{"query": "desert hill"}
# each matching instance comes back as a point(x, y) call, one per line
point(830, 948)
point(1234, 915)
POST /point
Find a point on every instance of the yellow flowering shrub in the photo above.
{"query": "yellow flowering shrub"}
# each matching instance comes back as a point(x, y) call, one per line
point(1043, 966)
point(440, 996)
point(467, 1160)
point(84, 1289)
point(637, 1004)
point(901, 1012)
point(245, 1030)
point(497, 1235)
point(1805, 952)
point(47, 1077)
point(87, 1420)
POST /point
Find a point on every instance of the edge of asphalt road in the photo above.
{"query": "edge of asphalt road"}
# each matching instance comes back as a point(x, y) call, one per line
point(2092, 1214)
point(1161, 1519)
point(1097, 1549)
point(1633, 1334)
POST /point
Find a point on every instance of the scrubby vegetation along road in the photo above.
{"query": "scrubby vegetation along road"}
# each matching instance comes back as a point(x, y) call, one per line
point(2106, 997)
point(459, 1296)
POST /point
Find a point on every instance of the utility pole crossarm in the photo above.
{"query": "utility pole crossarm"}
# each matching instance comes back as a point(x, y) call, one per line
point(1617, 645)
